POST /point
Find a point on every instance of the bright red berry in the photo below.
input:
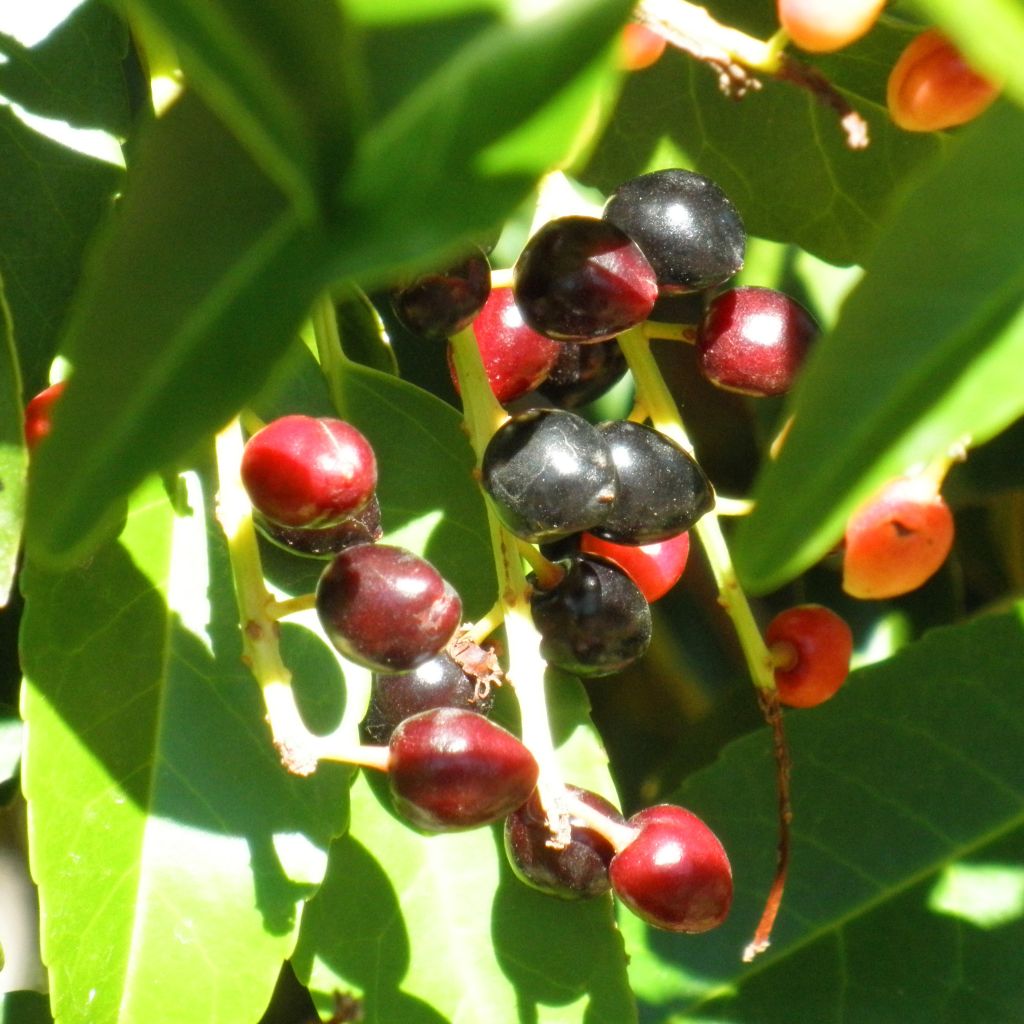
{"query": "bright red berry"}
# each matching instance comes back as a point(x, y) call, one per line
point(821, 26)
point(897, 540)
point(932, 86)
point(811, 646)
point(301, 471)
point(640, 47)
point(654, 568)
point(38, 413)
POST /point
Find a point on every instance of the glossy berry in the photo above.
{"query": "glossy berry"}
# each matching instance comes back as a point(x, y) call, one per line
point(302, 472)
point(675, 874)
point(583, 279)
point(661, 491)
point(932, 86)
point(640, 47)
point(577, 871)
point(548, 473)
point(655, 568)
point(440, 304)
point(583, 373)
point(754, 340)
point(516, 358)
point(822, 26)
point(326, 541)
point(684, 224)
point(38, 414)
point(386, 608)
point(595, 621)
point(811, 646)
point(438, 683)
point(452, 769)
point(896, 541)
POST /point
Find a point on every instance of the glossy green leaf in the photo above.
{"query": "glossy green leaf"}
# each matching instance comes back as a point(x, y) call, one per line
point(905, 898)
point(74, 74)
point(282, 77)
point(991, 34)
point(926, 354)
point(364, 337)
point(163, 827)
point(779, 155)
point(13, 455)
point(195, 290)
point(51, 201)
point(433, 929)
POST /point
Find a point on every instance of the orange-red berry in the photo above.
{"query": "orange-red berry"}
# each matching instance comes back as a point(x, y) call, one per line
point(821, 26)
point(640, 47)
point(811, 646)
point(38, 414)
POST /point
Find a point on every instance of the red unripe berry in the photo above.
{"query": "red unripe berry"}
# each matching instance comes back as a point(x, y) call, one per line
point(640, 47)
point(821, 26)
point(301, 471)
point(897, 540)
point(932, 87)
point(675, 874)
point(654, 568)
point(811, 646)
point(516, 358)
point(38, 413)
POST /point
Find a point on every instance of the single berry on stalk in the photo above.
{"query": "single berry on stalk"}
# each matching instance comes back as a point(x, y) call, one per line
point(684, 224)
point(451, 769)
point(385, 608)
point(304, 472)
point(325, 542)
point(811, 646)
point(39, 413)
point(576, 871)
point(661, 491)
point(548, 473)
point(754, 341)
point(822, 26)
point(583, 279)
point(437, 683)
point(675, 873)
point(516, 359)
point(441, 303)
point(655, 568)
point(594, 621)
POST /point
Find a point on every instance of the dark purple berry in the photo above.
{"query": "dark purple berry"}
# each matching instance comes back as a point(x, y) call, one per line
point(452, 769)
point(582, 279)
point(326, 541)
point(583, 373)
point(386, 608)
point(304, 472)
point(754, 340)
point(685, 226)
point(662, 491)
point(440, 304)
point(675, 873)
point(548, 473)
point(438, 683)
point(594, 621)
point(577, 871)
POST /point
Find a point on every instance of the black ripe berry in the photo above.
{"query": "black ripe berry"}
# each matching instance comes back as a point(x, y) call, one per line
point(452, 769)
point(582, 279)
point(326, 541)
point(439, 304)
point(662, 491)
point(386, 608)
point(594, 621)
point(576, 871)
point(685, 226)
point(438, 683)
point(548, 473)
point(583, 373)
point(754, 340)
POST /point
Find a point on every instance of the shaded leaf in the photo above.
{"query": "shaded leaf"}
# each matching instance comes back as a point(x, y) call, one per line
point(24, 1008)
point(926, 354)
point(13, 454)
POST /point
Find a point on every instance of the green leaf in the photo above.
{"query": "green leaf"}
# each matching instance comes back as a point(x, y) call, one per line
point(991, 34)
point(163, 826)
point(363, 335)
point(282, 77)
point(13, 454)
point(926, 354)
point(778, 154)
point(51, 202)
point(905, 898)
point(428, 929)
point(24, 1008)
point(196, 288)
point(75, 74)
